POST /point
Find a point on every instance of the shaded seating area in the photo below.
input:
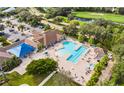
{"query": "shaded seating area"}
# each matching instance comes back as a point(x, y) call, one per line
point(22, 50)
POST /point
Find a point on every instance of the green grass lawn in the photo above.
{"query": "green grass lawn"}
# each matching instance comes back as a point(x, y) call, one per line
point(60, 80)
point(106, 16)
point(65, 19)
point(15, 79)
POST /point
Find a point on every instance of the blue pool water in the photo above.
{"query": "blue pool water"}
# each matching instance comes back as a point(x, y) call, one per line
point(69, 48)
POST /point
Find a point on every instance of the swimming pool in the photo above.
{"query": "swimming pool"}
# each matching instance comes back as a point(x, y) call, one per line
point(69, 48)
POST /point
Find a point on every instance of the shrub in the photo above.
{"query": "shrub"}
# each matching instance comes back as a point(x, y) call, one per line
point(40, 47)
point(70, 17)
point(91, 41)
point(97, 71)
point(41, 66)
point(98, 67)
point(11, 63)
point(74, 22)
point(58, 19)
point(94, 79)
point(46, 27)
point(4, 41)
point(80, 38)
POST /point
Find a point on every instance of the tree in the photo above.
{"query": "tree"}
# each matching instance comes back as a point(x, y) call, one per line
point(121, 10)
point(2, 27)
point(58, 19)
point(9, 64)
point(74, 22)
point(91, 41)
point(26, 16)
point(46, 27)
point(71, 30)
point(40, 47)
point(4, 41)
point(53, 12)
point(8, 23)
point(97, 71)
point(41, 66)
point(21, 27)
point(0, 20)
point(71, 17)
point(80, 38)
point(118, 74)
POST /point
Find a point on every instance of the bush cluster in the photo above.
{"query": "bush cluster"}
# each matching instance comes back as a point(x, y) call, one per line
point(11, 64)
point(97, 71)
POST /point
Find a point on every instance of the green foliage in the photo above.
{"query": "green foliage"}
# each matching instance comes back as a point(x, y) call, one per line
point(40, 47)
point(94, 79)
point(41, 9)
point(15, 79)
point(58, 19)
point(47, 27)
point(2, 15)
point(53, 12)
point(41, 66)
point(11, 63)
point(71, 30)
point(118, 69)
point(106, 34)
point(4, 41)
point(74, 22)
point(80, 38)
point(59, 79)
point(32, 20)
point(71, 17)
point(97, 71)
point(1, 27)
point(21, 27)
point(91, 40)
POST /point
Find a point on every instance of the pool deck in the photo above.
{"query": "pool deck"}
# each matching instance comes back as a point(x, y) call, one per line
point(79, 71)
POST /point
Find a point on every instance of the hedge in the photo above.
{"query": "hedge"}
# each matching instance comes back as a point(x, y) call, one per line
point(97, 71)
point(11, 64)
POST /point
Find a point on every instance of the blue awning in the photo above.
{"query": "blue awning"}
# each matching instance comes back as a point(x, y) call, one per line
point(21, 50)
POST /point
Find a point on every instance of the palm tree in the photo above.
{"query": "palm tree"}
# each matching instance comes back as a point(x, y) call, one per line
point(8, 23)
point(1, 27)
point(21, 27)
point(0, 20)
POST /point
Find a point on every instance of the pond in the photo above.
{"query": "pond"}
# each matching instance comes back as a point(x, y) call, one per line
point(84, 19)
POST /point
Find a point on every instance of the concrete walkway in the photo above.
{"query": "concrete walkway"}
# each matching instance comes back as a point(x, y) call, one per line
point(47, 78)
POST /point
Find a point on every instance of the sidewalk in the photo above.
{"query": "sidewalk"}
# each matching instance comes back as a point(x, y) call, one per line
point(47, 78)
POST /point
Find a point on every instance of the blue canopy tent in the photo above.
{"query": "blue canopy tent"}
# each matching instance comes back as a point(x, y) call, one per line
point(21, 50)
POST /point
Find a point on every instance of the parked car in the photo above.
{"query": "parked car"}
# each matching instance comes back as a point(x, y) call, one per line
point(2, 33)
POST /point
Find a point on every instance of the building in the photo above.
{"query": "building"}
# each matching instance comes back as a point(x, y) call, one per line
point(26, 46)
point(47, 38)
point(22, 50)
point(51, 37)
point(4, 56)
